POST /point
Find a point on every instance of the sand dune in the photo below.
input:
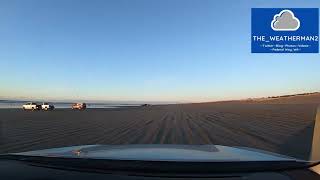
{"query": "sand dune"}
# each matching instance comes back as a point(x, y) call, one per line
point(282, 125)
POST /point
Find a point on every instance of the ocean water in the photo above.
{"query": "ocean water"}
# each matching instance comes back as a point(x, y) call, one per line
point(15, 104)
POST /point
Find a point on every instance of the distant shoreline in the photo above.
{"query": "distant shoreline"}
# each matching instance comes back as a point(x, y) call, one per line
point(18, 105)
point(121, 104)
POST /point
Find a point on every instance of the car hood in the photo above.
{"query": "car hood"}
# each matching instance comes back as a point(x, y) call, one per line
point(161, 152)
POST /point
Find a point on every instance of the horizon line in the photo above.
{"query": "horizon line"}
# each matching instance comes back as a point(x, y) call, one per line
point(150, 101)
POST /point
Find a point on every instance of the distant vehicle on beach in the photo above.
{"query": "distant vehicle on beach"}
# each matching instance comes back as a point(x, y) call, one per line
point(46, 106)
point(145, 105)
point(79, 106)
point(31, 106)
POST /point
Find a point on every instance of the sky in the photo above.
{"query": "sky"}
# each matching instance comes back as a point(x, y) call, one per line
point(142, 50)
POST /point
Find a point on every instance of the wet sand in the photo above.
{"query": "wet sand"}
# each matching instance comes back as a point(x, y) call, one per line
point(285, 127)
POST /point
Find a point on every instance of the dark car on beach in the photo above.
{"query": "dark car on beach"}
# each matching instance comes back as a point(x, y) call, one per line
point(145, 105)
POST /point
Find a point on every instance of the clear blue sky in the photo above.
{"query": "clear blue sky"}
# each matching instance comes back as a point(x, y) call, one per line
point(143, 50)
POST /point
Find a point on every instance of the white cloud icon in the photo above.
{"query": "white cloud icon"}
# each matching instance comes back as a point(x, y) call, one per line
point(285, 21)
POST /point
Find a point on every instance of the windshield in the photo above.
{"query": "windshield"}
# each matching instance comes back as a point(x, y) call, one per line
point(240, 74)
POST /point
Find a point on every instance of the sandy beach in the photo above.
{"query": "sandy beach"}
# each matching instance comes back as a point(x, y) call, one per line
point(281, 125)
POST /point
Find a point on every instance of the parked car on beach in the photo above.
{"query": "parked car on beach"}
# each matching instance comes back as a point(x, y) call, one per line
point(145, 105)
point(79, 106)
point(31, 106)
point(46, 106)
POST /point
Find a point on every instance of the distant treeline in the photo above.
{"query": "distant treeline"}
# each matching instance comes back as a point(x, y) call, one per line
point(291, 95)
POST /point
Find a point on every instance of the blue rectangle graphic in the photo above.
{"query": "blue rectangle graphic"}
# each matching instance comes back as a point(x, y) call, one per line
point(285, 30)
